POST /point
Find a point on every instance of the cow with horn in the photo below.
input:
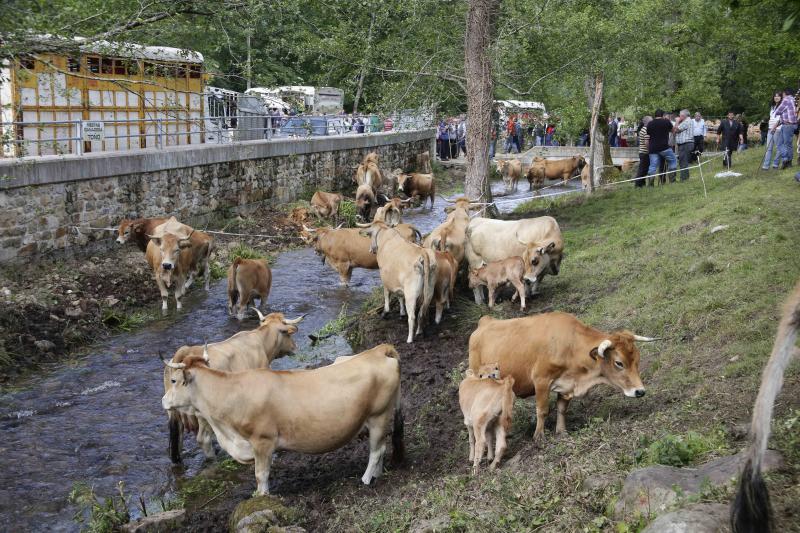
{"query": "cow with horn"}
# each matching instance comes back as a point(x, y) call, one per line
point(246, 350)
point(450, 235)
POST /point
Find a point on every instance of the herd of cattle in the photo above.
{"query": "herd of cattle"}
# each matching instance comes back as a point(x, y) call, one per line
point(542, 169)
point(226, 389)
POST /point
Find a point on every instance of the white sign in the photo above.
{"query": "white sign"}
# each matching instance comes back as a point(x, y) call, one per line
point(93, 130)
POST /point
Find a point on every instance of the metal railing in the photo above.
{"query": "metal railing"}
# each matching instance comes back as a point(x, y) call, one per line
point(60, 137)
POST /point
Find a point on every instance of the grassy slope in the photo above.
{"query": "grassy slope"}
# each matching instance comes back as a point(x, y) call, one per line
point(646, 261)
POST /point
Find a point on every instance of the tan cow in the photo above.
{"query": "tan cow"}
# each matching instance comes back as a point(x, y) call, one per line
point(488, 407)
point(562, 169)
point(451, 235)
point(492, 240)
point(509, 271)
point(407, 271)
point(424, 162)
point(176, 253)
point(138, 231)
point(366, 202)
point(511, 171)
point(248, 279)
point(446, 270)
point(556, 352)
point(258, 412)
point(256, 348)
point(418, 185)
point(326, 204)
point(299, 215)
point(535, 177)
point(368, 172)
point(585, 177)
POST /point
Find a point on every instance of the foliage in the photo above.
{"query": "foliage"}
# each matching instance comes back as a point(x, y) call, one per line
point(122, 321)
point(243, 251)
point(96, 514)
point(678, 450)
point(348, 213)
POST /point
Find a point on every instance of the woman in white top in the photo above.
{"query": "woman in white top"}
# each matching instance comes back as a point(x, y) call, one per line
point(773, 133)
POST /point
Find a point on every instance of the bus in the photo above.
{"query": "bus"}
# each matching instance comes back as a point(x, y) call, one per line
point(100, 96)
point(305, 99)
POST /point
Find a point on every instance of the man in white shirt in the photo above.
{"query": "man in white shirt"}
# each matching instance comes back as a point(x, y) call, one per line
point(699, 133)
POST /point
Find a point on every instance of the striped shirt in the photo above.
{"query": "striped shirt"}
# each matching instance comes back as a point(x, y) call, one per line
point(787, 111)
point(684, 133)
point(644, 138)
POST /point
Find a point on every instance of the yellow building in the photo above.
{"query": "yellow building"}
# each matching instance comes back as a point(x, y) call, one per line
point(145, 96)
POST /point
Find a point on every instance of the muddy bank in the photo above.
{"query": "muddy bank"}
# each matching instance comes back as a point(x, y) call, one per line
point(54, 307)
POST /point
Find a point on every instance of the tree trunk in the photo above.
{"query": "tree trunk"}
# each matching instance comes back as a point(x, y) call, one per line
point(478, 71)
point(599, 152)
point(363, 73)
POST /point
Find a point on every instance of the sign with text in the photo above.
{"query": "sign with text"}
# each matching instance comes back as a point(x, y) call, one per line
point(93, 130)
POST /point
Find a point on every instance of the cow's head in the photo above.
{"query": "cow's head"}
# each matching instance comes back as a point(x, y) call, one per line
point(475, 277)
point(281, 329)
point(618, 356)
point(491, 370)
point(372, 231)
point(500, 164)
point(170, 246)
point(537, 261)
point(124, 232)
point(580, 161)
point(404, 182)
point(179, 379)
point(463, 203)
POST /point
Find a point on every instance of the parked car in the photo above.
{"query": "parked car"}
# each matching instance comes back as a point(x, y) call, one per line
point(311, 126)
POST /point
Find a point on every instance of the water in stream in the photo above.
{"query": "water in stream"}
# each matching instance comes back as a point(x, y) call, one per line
point(99, 419)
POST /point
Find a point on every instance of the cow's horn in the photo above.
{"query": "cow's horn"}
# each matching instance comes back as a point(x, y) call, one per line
point(260, 315)
point(310, 230)
point(645, 339)
point(174, 365)
point(340, 226)
point(205, 352)
point(605, 345)
point(294, 320)
point(445, 199)
point(360, 225)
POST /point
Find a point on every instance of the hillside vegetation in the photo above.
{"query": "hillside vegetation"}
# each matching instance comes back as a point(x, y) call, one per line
point(646, 260)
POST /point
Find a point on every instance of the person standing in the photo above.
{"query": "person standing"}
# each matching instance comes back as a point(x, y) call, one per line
point(644, 155)
point(684, 141)
point(538, 132)
point(788, 114)
point(773, 134)
point(763, 129)
point(462, 137)
point(444, 141)
point(613, 128)
point(699, 131)
point(659, 130)
point(729, 136)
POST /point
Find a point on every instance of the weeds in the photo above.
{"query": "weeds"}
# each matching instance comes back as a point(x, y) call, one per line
point(96, 514)
point(679, 450)
point(243, 251)
point(121, 321)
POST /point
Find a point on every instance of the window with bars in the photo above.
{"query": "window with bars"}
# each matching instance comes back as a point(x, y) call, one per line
point(73, 64)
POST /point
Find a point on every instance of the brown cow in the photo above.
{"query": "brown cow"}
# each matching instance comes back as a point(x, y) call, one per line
point(422, 185)
point(424, 162)
point(326, 204)
point(562, 169)
point(299, 215)
point(366, 202)
point(499, 273)
point(391, 212)
point(511, 171)
point(369, 173)
point(138, 231)
point(556, 352)
point(488, 406)
point(176, 253)
point(248, 279)
point(258, 412)
point(451, 235)
point(446, 270)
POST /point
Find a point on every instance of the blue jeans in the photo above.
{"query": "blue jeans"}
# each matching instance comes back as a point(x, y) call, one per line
point(655, 162)
point(772, 146)
point(786, 133)
point(492, 145)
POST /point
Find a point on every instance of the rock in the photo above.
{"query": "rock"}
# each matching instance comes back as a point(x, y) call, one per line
point(599, 481)
point(431, 525)
point(44, 346)
point(6, 291)
point(111, 301)
point(654, 489)
point(73, 311)
point(263, 513)
point(715, 229)
point(699, 518)
point(156, 523)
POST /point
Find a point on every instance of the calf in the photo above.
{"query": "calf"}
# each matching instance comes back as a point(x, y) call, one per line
point(535, 177)
point(138, 231)
point(446, 270)
point(326, 204)
point(511, 171)
point(499, 273)
point(488, 406)
point(248, 279)
point(422, 185)
point(424, 162)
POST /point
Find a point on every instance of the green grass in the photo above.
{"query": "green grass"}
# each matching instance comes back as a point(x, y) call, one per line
point(643, 260)
point(99, 515)
point(121, 321)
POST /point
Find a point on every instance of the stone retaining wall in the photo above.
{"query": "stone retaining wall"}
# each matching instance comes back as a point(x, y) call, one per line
point(42, 199)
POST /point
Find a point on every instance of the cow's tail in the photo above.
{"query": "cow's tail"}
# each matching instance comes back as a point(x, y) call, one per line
point(398, 432)
point(751, 510)
point(429, 280)
point(175, 434)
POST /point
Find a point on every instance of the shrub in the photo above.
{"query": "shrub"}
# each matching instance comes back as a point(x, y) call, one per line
point(678, 450)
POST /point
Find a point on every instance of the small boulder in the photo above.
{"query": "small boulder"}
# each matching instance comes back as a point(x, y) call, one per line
point(156, 523)
point(699, 518)
point(431, 525)
point(44, 346)
point(653, 490)
point(262, 513)
point(715, 229)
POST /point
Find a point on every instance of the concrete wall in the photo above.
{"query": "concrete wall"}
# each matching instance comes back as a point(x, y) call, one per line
point(41, 199)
